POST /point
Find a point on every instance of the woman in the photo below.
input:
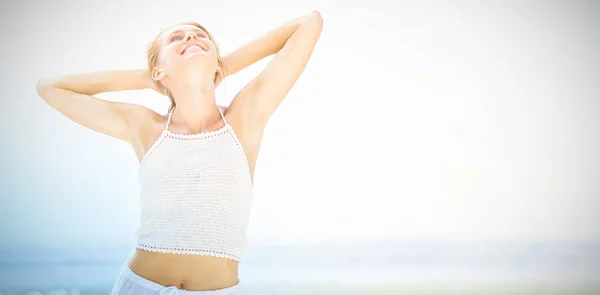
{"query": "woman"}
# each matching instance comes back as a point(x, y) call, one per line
point(197, 161)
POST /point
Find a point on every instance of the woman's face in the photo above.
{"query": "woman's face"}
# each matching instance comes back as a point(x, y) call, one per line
point(185, 49)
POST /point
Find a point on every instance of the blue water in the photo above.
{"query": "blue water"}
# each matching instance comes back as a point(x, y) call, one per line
point(404, 264)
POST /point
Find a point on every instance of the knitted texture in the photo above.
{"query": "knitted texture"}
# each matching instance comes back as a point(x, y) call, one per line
point(196, 193)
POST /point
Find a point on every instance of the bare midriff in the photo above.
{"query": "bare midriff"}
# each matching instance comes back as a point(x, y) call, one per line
point(185, 271)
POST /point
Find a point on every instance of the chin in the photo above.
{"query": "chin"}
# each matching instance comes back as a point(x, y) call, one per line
point(198, 69)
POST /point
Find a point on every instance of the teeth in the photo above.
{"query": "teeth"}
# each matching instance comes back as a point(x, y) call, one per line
point(193, 48)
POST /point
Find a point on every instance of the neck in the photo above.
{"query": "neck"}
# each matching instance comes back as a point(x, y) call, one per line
point(196, 108)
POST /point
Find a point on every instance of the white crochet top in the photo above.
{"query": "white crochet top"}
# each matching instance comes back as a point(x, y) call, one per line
point(196, 192)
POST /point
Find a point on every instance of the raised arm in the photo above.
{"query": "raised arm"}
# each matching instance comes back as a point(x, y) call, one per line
point(293, 44)
point(73, 97)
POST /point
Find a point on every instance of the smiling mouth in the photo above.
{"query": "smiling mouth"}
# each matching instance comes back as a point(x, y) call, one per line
point(193, 48)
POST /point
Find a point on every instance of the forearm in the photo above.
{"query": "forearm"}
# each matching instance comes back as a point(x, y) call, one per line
point(263, 46)
point(98, 82)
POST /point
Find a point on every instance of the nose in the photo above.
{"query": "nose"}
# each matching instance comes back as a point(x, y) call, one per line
point(190, 36)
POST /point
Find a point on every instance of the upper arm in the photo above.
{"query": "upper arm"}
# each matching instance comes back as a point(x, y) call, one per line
point(264, 94)
point(106, 117)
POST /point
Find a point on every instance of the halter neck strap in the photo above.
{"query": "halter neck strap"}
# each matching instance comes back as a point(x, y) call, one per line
point(169, 119)
point(222, 116)
point(171, 115)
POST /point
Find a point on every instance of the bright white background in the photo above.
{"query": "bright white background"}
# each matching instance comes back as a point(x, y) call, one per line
point(430, 121)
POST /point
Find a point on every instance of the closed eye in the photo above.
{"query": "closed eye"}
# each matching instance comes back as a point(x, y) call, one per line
point(201, 34)
point(175, 38)
point(178, 35)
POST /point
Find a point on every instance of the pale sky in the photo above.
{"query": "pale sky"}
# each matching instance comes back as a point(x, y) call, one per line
point(411, 121)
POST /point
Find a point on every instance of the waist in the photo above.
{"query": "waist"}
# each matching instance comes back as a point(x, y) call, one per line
point(185, 271)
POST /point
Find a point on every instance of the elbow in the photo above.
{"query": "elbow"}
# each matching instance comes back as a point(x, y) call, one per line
point(317, 18)
point(314, 20)
point(315, 23)
point(311, 23)
point(41, 87)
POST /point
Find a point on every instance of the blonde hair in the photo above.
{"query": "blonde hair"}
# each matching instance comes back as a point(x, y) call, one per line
point(152, 53)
